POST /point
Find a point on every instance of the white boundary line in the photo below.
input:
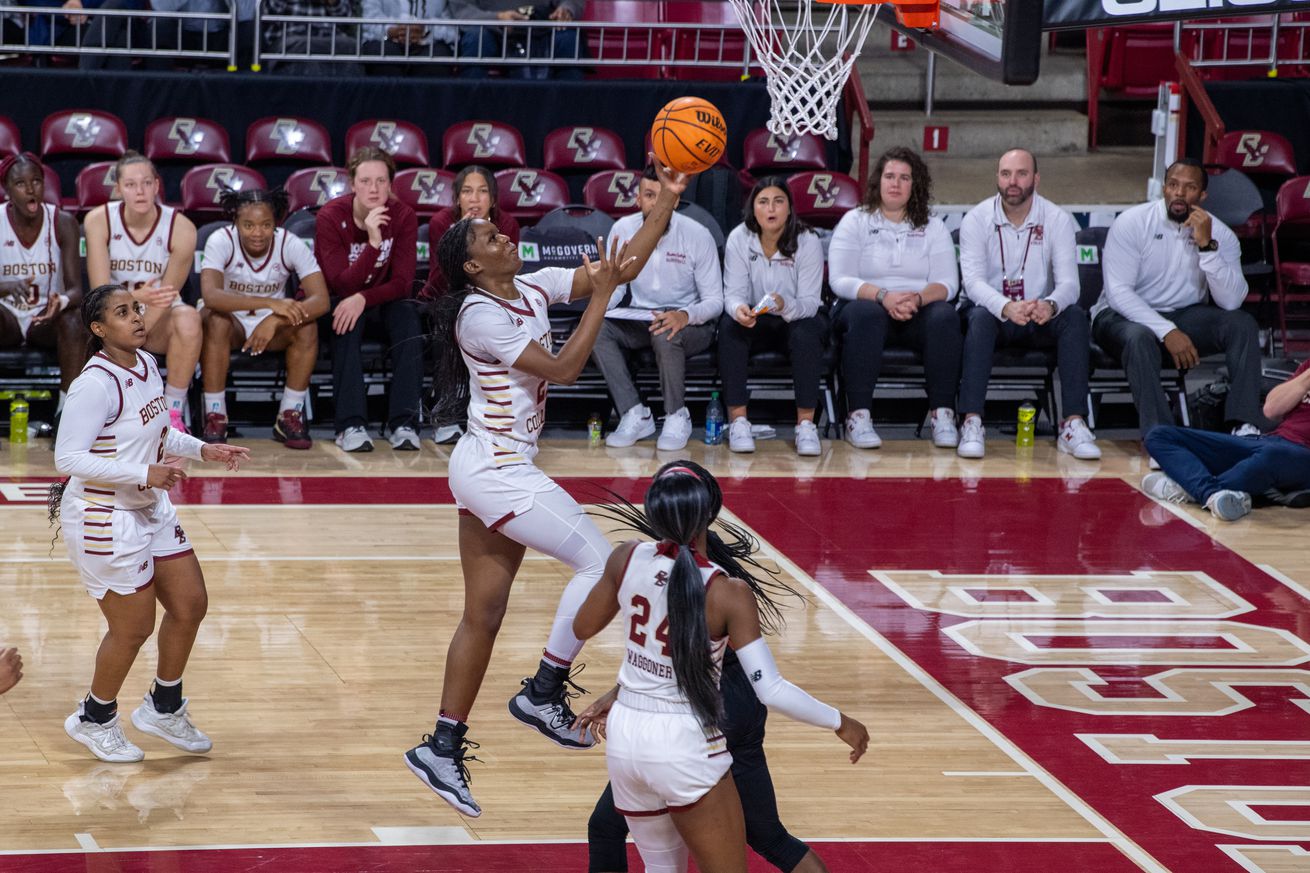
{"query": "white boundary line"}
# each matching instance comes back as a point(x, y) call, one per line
point(1112, 834)
point(1273, 571)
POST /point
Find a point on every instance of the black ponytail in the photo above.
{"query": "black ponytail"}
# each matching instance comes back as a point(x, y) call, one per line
point(680, 508)
point(451, 382)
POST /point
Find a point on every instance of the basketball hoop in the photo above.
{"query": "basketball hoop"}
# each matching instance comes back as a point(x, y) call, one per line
point(807, 63)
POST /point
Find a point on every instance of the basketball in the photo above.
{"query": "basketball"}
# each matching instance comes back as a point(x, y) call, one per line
point(689, 135)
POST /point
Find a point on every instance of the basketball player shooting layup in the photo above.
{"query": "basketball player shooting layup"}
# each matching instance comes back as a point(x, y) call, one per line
point(492, 339)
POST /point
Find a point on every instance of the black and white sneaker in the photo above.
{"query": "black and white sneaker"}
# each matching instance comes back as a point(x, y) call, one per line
point(441, 762)
point(553, 718)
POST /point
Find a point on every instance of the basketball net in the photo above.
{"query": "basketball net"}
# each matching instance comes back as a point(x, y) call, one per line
point(808, 62)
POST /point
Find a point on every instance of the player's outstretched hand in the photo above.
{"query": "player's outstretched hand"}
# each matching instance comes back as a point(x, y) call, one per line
point(855, 735)
point(669, 180)
point(227, 455)
point(605, 272)
point(596, 715)
point(11, 669)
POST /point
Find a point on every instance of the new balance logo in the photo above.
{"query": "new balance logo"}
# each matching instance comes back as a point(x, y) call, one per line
point(184, 136)
point(585, 144)
point(484, 139)
point(823, 191)
point(84, 129)
point(288, 135)
point(328, 184)
point(1252, 150)
point(624, 187)
point(429, 186)
point(757, 676)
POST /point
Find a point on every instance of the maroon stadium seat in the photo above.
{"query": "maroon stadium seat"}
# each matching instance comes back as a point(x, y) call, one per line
point(822, 198)
point(405, 142)
point(707, 46)
point(202, 185)
point(588, 149)
point(613, 192)
point(764, 153)
point(11, 142)
point(95, 184)
point(311, 187)
point(1257, 153)
point(623, 44)
point(529, 194)
point(489, 143)
point(288, 139)
point(1130, 61)
point(84, 133)
point(425, 190)
point(187, 140)
point(1292, 277)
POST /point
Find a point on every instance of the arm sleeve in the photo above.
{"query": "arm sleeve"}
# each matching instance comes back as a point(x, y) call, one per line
point(486, 332)
point(736, 271)
point(1223, 269)
point(780, 695)
point(89, 405)
point(844, 257)
point(403, 265)
point(1119, 265)
point(975, 238)
point(709, 279)
point(183, 445)
point(1064, 262)
point(809, 279)
point(943, 269)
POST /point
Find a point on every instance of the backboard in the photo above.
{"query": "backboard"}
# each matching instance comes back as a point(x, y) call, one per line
point(999, 39)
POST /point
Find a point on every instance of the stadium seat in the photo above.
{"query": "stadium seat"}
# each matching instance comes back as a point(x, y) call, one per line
point(287, 139)
point(425, 190)
point(1131, 61)
point(613, 192)
point(529, 194)
point(202, 186)
point(587, 149)
point(405, 142)
point(83, 133)
point(618, 52)
point(95, 185)
point(187, 140)
point(821, 199)
point(489, 143)
point(706, 46)
point(1266, 157)
point(311, 187)
point(1291, 239)
point(764, 153)
point(11, 142)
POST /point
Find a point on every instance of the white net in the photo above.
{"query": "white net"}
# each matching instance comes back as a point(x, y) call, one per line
point(807, 61)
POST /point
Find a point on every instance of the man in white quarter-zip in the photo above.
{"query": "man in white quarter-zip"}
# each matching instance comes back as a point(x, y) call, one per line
point(1173, 292)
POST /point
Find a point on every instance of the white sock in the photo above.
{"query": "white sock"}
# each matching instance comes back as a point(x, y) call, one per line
point(98, 700)
point(216, 402)
point(176, 397)
point(165, 684)
point(292, 400)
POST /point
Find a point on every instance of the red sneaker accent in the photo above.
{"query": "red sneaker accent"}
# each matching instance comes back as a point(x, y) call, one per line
point(291, 430)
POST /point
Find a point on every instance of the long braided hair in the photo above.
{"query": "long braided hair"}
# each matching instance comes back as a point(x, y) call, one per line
point(451, 380)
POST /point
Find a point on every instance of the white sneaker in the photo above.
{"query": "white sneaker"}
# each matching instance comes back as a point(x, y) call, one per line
point(944, 434)
point(106, 741)
point(447, 434)
point(1246, 430)
point(860, 432)
point(1152, 463)
point(972, 435)
point(405, 439)
point(807, 440)
point(1229, 505)
point(740, 438)
point(1078, 440)
point(636, 424)
point(171, 727)
point(354, 439)
point(1161, 487)
point(676, 431)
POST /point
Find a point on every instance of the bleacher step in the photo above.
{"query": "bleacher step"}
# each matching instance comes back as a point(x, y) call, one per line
point(981, 133)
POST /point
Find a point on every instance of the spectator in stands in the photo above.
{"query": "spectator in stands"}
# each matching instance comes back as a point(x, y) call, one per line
point(11, 668)
point(40, 271)
point(244, 282)
point(1173, 280)
point(313, 39)
point(475, 197)
point(772, 283)
point(484, 41)
point(1224, 472)
point(208, 34)
point(366, 242)
point(671, 308)
point(1021, 278)
point(149, 248)
point(894, 267)
point(396, 38)
point(111, 32)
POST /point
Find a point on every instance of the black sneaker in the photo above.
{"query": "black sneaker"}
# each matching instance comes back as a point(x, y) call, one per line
point(553, 718)
point(440, 761)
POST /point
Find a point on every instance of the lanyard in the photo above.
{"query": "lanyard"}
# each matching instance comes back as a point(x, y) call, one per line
point(1027, 245)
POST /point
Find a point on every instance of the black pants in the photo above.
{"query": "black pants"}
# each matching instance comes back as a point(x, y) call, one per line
point(864, 328)
point(743, 729)
point(804, 341)
point(1069, 332)
point(405, 348)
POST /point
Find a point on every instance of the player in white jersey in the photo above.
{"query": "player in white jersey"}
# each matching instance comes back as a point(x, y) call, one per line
point(665, 750)
point(121, 530)
point(138, 242)
point(40, 277)
point(492, 339)
point(244, 282)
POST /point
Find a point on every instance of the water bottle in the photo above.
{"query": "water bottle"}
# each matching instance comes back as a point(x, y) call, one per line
point(1023, 436)
point(18, 421)
point(594, 427)
point(714, 421)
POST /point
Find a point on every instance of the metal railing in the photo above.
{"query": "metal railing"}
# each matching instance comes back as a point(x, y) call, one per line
point(143, 32)
point(1265, 41)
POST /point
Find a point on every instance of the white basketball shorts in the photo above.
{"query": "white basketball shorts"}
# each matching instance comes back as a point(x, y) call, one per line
point(116, 551)
point(661, 762)
point(494, 493)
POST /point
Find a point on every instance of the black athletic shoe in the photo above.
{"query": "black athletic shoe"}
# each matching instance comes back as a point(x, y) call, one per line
point(440, 761)
point(553, 718)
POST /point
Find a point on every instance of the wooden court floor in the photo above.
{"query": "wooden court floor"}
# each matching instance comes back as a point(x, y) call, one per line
point(334, 587)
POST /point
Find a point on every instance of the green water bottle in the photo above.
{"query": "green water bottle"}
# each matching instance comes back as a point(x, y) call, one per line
point(18, 421)
point(594, 428)
point(1023, 436)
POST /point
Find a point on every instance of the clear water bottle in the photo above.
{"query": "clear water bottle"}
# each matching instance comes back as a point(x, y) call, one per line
point(18, 421)
point(714, 421)
point(594, 427)
point(1023, 435)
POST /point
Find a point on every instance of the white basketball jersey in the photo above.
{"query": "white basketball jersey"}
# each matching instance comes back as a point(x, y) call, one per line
point(265, 277)
point(647, 667)
point(42, 261)
point(134, 262)
point(134, 433)
point(507, 406)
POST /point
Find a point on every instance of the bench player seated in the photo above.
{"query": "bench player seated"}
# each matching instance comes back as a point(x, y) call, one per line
point(244, 285)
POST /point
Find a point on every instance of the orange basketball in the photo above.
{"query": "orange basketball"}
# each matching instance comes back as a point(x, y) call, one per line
point(689, 135)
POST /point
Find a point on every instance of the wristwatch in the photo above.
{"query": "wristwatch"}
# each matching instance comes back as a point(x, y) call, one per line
point(881, 295)
point(1055, 307)
point(1211, 246)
